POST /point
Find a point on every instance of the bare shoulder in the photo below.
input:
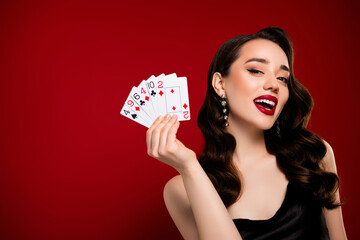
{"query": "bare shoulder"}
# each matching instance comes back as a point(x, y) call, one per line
point(174, 190)
point(178, 206)
point(334, 219)
point(173, 184)
point(328, 162)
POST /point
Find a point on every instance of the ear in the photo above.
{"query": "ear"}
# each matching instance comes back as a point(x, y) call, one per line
point(218, 84)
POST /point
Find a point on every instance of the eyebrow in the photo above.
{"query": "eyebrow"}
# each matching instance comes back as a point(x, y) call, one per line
point(262, 60)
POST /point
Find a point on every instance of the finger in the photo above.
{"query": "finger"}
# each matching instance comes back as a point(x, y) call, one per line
point(155, 136)
point(172, 132)
point(156, 122)
point(164, 133)
point(149, 132)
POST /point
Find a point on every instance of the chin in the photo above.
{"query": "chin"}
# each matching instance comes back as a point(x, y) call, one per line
point(265, 125)
point(258, 122)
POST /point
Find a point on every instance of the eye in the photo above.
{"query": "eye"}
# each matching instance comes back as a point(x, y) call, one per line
point(254, 71)
point(285, 80)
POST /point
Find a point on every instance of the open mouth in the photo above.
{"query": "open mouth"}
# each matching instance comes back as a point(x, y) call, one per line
point(267, 104)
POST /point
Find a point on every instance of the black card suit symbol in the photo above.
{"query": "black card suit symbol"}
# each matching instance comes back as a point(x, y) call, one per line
point(134, 116)
point(142, 102)
point(153, 93)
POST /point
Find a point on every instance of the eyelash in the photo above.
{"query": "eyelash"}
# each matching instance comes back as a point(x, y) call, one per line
point(285, 80)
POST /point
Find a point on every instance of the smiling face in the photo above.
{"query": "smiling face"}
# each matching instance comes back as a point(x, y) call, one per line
point(256, 86)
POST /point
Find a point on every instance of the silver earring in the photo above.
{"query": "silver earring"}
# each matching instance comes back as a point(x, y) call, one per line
point(277, 128)
point(223, 103)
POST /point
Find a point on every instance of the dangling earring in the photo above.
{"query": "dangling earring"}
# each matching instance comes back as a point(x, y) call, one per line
point(277, 128)
point(223, 103)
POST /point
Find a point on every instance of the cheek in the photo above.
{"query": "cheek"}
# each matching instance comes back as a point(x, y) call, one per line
point(240, 95)
point(284, 98)
point(241, 84)
point(286, 95)
point(235, 92)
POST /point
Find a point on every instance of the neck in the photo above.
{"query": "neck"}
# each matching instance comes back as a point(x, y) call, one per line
point(250, 143)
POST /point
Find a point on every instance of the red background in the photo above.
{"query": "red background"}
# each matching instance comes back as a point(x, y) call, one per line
point(71, 167)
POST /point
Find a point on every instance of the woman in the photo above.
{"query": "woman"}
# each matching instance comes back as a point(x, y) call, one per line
point(262, 174)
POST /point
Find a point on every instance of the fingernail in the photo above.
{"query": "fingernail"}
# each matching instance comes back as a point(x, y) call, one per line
point(159, 117)
point(174, 116)
point(167, 116)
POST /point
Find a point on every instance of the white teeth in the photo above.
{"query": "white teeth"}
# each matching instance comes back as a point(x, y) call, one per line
point(265, 101)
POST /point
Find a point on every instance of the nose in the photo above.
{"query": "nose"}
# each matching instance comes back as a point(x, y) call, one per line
point(271, 83)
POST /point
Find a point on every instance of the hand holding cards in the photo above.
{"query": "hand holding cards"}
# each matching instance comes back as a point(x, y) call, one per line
point(164, 94)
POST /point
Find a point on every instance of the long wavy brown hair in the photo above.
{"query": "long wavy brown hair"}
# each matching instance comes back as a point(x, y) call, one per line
point(298, 151)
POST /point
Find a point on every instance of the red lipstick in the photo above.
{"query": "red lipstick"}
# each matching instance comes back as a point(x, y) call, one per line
point(266, 104)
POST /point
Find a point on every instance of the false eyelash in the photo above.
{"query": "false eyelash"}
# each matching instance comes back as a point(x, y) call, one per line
point(254, 71)
point(285, 80)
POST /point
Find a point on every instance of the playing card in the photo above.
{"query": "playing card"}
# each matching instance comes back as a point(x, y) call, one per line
point(176, 98)
point(127, 112)
point(159, 83)
point(134, 106)
point(153, 92)
point(142, 98)
point(164, 94)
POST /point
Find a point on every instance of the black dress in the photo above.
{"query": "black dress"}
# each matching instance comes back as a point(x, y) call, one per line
point(299, 217)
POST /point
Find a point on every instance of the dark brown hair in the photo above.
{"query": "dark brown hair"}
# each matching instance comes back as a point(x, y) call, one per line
point(298, 151)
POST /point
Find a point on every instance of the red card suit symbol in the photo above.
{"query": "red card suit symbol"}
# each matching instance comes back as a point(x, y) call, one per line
point(173, 99)
point(185, 106)
point(137, 108)
point(147, 98)
point(161, 93)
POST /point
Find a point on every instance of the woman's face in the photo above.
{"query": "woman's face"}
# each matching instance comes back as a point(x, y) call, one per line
point(256, 87)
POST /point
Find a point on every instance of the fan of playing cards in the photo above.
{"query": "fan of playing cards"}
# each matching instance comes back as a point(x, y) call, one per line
point(158, 96)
